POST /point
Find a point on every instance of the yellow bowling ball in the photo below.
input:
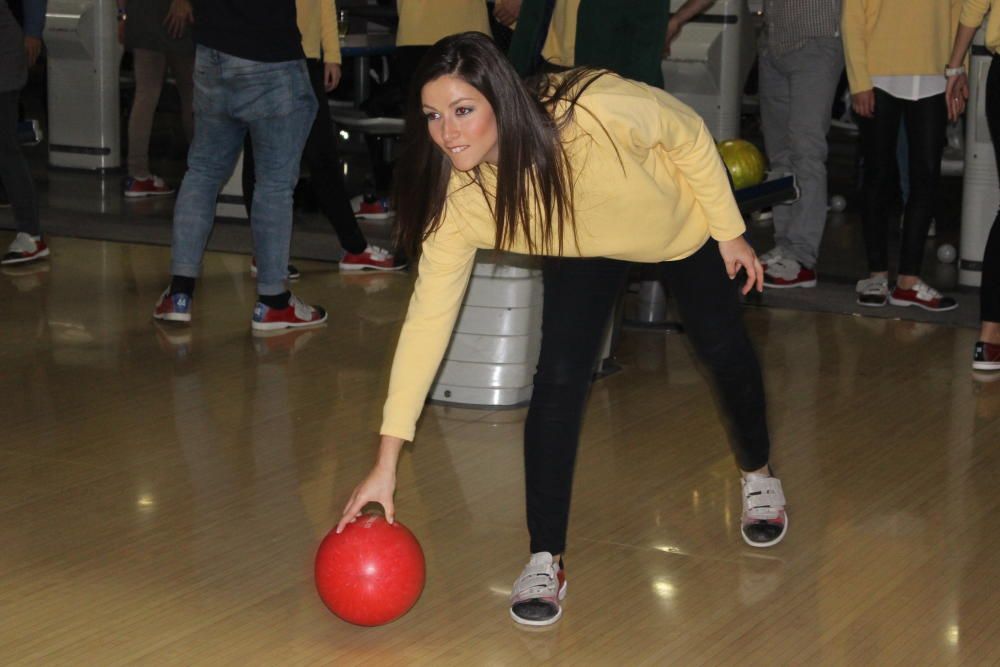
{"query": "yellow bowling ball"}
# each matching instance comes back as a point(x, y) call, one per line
point(744, 161)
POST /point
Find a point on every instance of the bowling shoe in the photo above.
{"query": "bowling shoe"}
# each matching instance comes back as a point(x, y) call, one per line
point(923, 296)
point(537, 593)
point(764, 522)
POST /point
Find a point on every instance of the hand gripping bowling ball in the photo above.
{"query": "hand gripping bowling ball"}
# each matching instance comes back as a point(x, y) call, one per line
point(371, 573)
point(744, 161)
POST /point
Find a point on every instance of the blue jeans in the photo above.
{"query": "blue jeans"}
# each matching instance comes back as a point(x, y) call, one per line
point(276, 104)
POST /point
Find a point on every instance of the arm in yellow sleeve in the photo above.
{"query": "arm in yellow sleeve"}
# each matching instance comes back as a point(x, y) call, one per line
point(690, 146)
point(973, 12)
point(329, 37)
point(446, 263)
point(854, 29)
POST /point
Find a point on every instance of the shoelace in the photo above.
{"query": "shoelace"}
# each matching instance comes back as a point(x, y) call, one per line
point(303, 311)
point(378, 253)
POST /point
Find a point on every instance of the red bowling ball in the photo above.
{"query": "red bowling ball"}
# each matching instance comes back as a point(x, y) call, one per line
point(371, 573)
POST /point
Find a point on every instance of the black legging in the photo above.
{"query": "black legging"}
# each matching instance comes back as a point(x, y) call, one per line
point(926, 120)
point(989, 291)
point(14, 172)
point(320, 155)
point(579, 296)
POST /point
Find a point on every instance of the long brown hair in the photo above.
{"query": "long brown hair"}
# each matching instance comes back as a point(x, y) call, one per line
point(534, 178)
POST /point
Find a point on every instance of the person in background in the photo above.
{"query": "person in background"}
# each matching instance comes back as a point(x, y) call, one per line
point(317, 21)
point(986, 354)
point(801, 59)
point(19, 50)
point(894, 50)
point(250, 77)
point(624, 37)
point(423, 22)
point(158, 33)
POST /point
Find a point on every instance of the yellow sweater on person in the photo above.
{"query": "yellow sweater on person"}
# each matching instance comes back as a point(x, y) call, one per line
point(649, 187)
point(973, 12)
point(560, 42)
point(317, 21)
point(424, 22)
point(896, 38)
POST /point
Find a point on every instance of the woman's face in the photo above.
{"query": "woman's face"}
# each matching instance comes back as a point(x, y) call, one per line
point(460, 121)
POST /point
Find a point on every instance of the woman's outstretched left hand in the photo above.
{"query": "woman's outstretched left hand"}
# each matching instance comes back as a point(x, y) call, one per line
point(737, 254)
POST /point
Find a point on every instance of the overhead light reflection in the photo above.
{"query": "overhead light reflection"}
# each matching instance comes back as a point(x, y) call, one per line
point(146, 500)
point(664, 588)
point(953, 635)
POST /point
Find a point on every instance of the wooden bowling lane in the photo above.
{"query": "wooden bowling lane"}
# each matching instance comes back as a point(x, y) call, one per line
point(163, 489)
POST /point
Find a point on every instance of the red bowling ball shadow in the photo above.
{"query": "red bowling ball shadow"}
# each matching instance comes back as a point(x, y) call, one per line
point(372, 573)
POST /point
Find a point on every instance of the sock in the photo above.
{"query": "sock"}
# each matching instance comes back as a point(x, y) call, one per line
point(182, 285)
point(278, 301)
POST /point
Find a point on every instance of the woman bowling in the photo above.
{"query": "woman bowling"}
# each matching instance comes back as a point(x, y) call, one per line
point(592, 172)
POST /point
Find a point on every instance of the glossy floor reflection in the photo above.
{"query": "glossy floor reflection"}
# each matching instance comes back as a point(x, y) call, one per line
point(163, 489)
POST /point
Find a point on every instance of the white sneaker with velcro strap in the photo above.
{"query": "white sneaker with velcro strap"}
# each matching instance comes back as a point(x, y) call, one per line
point(535, 597)
point(764, 521)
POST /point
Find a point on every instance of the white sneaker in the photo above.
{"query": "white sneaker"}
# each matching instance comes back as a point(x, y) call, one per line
point(873, 292)
point(764, 522)
point(25, 248)
point(536, 594)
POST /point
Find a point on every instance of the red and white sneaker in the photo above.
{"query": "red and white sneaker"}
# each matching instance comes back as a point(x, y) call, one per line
point(173, 307)
point(764, 522)
point(986, 356)
point(372, 259)
point(537, 593)
point(293, 271)
point(370, 207)
point(25, 248)
point(154, 186)
point(923, 296)
point(295, 315)
point(785, 272)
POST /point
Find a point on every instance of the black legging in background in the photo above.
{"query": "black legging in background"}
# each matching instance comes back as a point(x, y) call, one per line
point(926, 120)
point(989, 292)
point(14, 172)
point(579, 295)
point(320, 156)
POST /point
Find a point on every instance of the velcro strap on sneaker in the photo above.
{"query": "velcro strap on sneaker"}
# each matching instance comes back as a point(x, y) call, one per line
point(762, 492)
point(925, 292)
point(534, 584)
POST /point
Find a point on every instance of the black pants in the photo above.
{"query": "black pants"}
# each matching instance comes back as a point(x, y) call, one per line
point(320, 156)
point(989, 292)
point(925, 133)
point(14, 172)
point(579, 296)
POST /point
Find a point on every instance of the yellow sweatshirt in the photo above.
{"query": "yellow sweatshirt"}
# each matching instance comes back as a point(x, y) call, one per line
point(423, 22)
point(973, 12)
point(317, 21)
point(649, 187)
point(896, 37)
point(560, 43)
